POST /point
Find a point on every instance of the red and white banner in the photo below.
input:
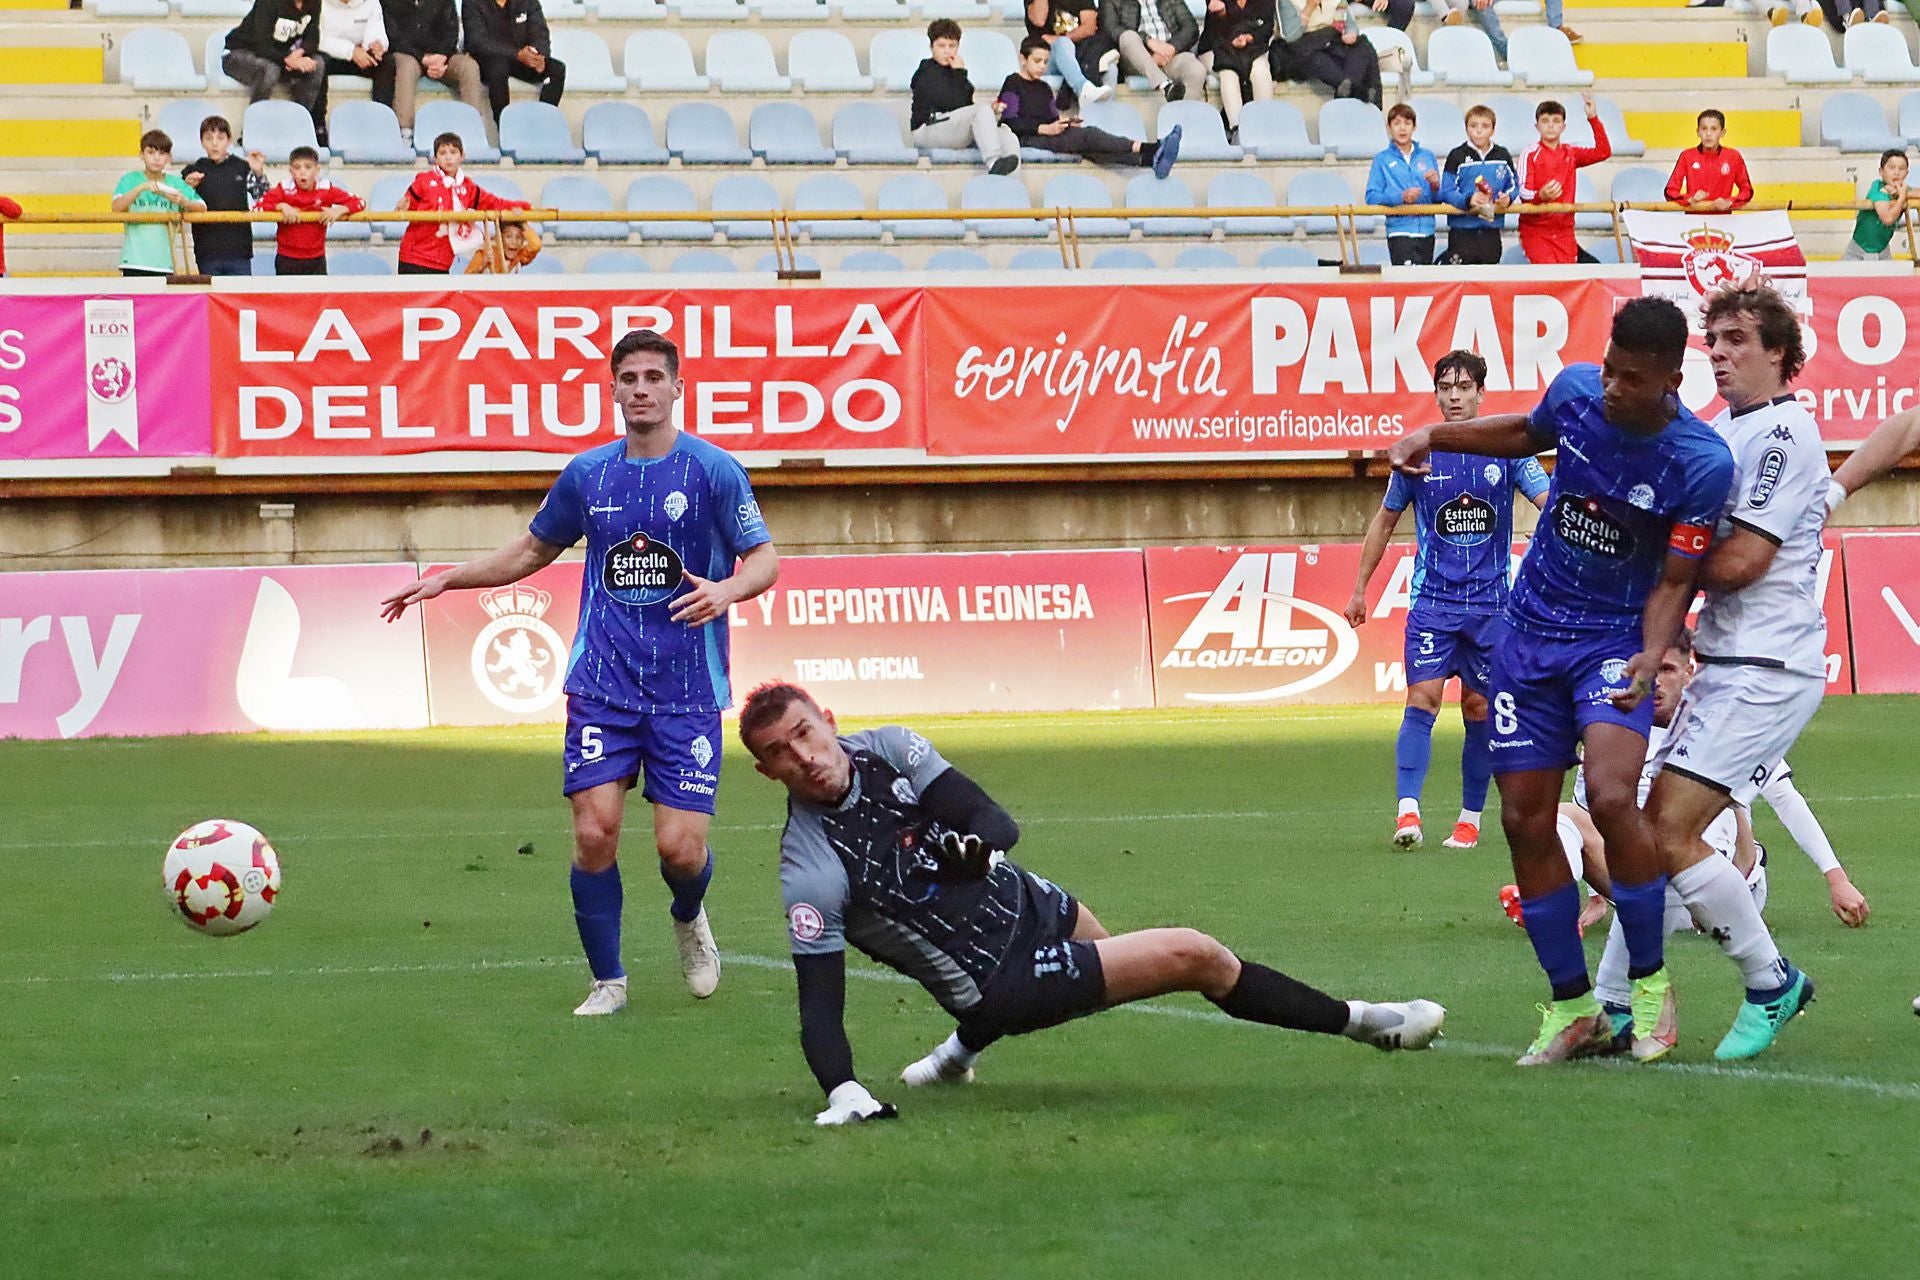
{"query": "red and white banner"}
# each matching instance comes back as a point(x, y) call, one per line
point(1685, 256)
point(351, 374)
point(499, 656)
point(1883, 600)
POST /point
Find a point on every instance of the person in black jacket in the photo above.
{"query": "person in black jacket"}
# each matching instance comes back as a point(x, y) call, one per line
point(229, 185)
point(1159, 39)
point(277, 44)
point(944, 113)
point(1031, 108)
point(508, 38)
point(1234, 47)
point(424, 39)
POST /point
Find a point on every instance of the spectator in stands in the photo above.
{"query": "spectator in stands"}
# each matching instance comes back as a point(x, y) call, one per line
point(1479, 181)
point(147, 247)
point(1547, 176)
point(1554, 20)
point(1482, 12)
point(1234, 41)
point(1159, 39)
point(427, 248)
point(9, 210)
point(509, 39)
point(1873, 228)
point(1404, 172)
point(1842, 14)
point(274, 46)
point(425, 40)
point(1032, 111)
point(1710, 177)
point(1080, 53)
point(353, 42)
point(517, 245)
point(1805, 10)
point(944, 113)
point(301, 247)
point(1330, 50)
point(227, 184)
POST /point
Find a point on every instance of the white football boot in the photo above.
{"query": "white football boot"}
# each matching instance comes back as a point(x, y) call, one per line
point(1413, 1025)
point(937, 1067)
point(606, 997)
point(699, 957)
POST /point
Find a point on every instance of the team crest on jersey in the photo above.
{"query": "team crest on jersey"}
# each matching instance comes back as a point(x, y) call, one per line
point(1583, 524)
point(701, 750)
point(1642, 496)
point(641, 570)
point(806, 922)
point(1492, 473)
point(1614, 670)
point(517, 657)
point(675, 505)
point(1773, 464)
point(1466, 520)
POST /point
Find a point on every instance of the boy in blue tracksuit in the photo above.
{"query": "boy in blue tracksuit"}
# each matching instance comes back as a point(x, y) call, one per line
point(1479, 181)
point(1405, 173)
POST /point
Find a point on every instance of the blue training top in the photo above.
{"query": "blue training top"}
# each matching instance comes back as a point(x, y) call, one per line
point(1463, 535)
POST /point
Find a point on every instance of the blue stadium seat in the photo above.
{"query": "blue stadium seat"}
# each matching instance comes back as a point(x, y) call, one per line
point(357, 262)
point(1853, 121)
point(742, 62)
point(1606, 251)
point(214, 8)
point(870, 133)
point(703, 133)
point(1327, 187)
point(709, 10)
point(367, 133)
point(957, 260)
point(1275, 130)
point(450, 116)
point(615, 262)
point(1246, 191)
point(537, 133)
point(158, 59)
point(1464, 56)
point(1144, 191)
point(871, 260)
point(501, 185)
point(1116, 117)
point(1386, 39)
point(1800, 54)
point(896, 54)
point(1206, 257)
point(1202, 136)
point(1037, 259)
point(1441, 125)
point(1081, 190)
point(990, 56)
point(628, 11)
point(217, 79)
point(1585, 192)
point(129, 9)
point(1909, 117)
point(659, 194)
point(1624, 143)
point(620, 133)
point(1513, 121)
point(386, 194)
point(546, 264)
point(824, 62)
point(1639, 184)
point(661, 62)
point(276, 126)
point(787, 11)
point(1120, 258)
point(916, 191)
point(360, 231)
point(701, 261)
point(873, 10)
point(589, 63)
point(958, 10)
point(991, 191)
point(1352, 129)
point(262, 260)
point(830, 191)
point(1877, 52)
point(577, 194)
point(180, 120)
point(744, 192)
point(1513, 256)
point(801, 262)
point(1374, 253)
point(786, 133)
point(1543, 58)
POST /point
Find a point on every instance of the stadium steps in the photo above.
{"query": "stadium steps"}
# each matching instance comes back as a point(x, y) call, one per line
point(24, 63)
point(1616, 62)
point(1758, 130)
point(70, 139)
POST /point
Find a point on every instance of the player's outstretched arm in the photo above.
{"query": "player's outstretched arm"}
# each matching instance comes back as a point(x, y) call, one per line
point(1880, 453)
point(823, 1039)
point(957, 801)
point(1660, 622)
point(524, 555)
point(1498, 435)
point(711, 598)
point(1379, 530)
point(1796, 815)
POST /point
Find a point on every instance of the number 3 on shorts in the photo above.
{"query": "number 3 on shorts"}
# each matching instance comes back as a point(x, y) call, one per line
point(591, 748)
point(1504, 721)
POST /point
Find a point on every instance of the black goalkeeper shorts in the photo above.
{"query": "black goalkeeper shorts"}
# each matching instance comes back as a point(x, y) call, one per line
point(1047, 978)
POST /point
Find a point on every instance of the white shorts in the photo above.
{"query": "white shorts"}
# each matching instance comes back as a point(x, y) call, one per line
point(1735, 723)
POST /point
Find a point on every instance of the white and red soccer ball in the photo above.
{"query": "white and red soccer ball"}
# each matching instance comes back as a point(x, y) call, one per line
point(221, 876)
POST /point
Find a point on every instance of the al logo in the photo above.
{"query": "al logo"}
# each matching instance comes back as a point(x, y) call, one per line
point(519, 660)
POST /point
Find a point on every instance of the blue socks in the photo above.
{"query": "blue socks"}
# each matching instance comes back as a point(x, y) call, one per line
point(597, 899)
point(1476, 766)
point(1642, 909)
point(687, 894)
point(1412, 751)
point(1553, 926)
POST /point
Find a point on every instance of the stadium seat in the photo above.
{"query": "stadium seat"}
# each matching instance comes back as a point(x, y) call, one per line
point(742, 62)
point(356, 262)
point(1441, 125)
point(1513, 121)
point(1638, 184)
point(180, 120)
point(709, 10)
point(698, 261)
point(659, 194)
point(1144, 191)
point(958, 10)
point(215, 8)
point(1117, 118)
point(616, 262)
point(990, 191)
point(1464, 56)
point(1585, 192)
point(386, 194)
point(1326, 187)
point(661, 62)
point(1605, 250)
point(1246, 191)
point(869, 133)
point(129, 8)
point(957, 260)
point(990, 56)
point(914, 192)
point(1877, 52)
point(744, 192)
point(871, 260)
point(873, 10)
point(787, 10)
point(1542, 56)
point(546, 264)
point(449, 116)
point(1037, 259)
point(154, 59)
point(574, 193)
point(830, 191)
point(276, 126)
point(1287, 255)
point(628, 11)
point(824, 62)
point(1388, 38)
point(1206, 257)
point(1624, 143)
point(1028, 155)
point(537, 133)
point(1081, 190)
point(501, 185)
point(895, 55)
point(1853, 121)
point(786, 133)
point(217, 78)
point(1202, 135)
point(1800, 54)
point(1275, 130)
point(1374, 253)
point(263, 260)
point(801, 262)
point(360, 132)
point(589, 63)
point(703, 133)
point(620, 133)
point(1909, 116)
point(1352, 129)
point(1513, 256)
point(1121, 258)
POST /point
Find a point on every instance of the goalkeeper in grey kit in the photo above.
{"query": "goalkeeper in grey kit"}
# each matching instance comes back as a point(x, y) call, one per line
point(892, 849)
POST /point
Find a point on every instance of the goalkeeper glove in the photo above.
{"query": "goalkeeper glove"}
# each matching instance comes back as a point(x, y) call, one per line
point(850, 1102)
point(965, 855)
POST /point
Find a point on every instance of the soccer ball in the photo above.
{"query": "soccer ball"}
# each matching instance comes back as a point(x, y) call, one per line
point(221, 876)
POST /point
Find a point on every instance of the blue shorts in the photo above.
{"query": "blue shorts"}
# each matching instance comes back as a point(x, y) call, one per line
point(1440, 645)
point(1545, 693)
point(677, 752)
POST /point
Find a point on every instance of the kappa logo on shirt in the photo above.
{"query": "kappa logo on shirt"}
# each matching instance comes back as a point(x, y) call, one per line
point(1781, 432)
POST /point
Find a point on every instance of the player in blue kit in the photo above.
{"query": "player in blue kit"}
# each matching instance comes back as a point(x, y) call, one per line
point(1637, 490)
point(1463, 535)
point(665, 516)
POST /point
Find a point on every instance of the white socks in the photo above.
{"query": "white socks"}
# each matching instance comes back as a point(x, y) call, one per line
point(1469, 815)
point(1407, 806)
point(1717, 896)
point(1573, 844)
point(951, 1050)
point(1610, 981)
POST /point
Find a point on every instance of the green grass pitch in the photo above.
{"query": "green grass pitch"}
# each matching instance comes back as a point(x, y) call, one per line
point(384, 1080)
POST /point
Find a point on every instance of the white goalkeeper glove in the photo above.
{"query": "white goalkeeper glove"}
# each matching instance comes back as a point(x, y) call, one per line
point(850, 1102)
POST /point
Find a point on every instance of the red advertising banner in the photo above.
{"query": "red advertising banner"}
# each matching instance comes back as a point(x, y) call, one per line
point(1883, 600)
point(499, 656)
point(141, 652)
point(357, 374)
point(1832, 587)
point(1256, 369)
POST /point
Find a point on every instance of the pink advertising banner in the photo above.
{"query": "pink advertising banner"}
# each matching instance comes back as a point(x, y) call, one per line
point(93, 377)
point(141, 652)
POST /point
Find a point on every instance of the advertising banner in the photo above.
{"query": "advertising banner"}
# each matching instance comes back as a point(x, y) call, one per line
point(499, 656)
point(103, 377)
point(161, 651)
point(346, 374)
point(1685, 256)
point(1883, 601)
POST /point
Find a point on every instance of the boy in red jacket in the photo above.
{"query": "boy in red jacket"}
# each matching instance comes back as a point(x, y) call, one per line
point(301, 247)
point(427, 248)
point(1710, 178)
point(1547, 177)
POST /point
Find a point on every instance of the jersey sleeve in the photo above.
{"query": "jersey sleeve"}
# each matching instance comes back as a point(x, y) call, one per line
point(736, 511)
point(1530, 478)
point(813, 885)
point(1399, 493)
point(910, 753)
point(1698, 515)
point(1545, 421)
point(1779, 481)
point(559, 521)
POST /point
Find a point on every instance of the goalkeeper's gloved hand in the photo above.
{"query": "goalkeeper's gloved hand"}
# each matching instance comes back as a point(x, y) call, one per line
point(850, 1102)
point(965, 855)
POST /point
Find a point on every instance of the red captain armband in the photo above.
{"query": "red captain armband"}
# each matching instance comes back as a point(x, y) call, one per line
point(1690, 539)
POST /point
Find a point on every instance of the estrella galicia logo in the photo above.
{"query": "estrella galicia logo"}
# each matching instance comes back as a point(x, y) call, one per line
point(1773, 464)
point(1466, 520)
point(1583, 524)
point(641, 570)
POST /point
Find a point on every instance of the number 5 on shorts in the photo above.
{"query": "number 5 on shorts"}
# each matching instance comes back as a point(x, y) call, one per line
point(591, 748)
point(1504, 721)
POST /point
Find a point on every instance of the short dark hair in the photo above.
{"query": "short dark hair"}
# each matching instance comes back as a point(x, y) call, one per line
point(1716, 113)
point(942, 29)
point(1460, 360)
point(1399, 109)
point(449, 139)
point(1891, 153)
point(1683, 641)
point(216, 124)
point(303, 153)
point(1651, 327)
point(1549, 108)
point(768, 703)
point(646, 340)
point(156, 140)
point(1773, 318)
point(1031, 43)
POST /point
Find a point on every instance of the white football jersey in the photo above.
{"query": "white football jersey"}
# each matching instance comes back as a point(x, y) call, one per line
point(1779, 488)
point(1721, 833)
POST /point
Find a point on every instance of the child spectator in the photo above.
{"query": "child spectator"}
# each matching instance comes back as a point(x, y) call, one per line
point(1233, 45)
point(944, 113)
point(1710, 178)
point(227, 184)
point(427, 248)
point(147, 247)
point(518, 245)
point(1032, 111)
point(1479, 181)
point(1873, 228)
point(1547, 176)
point(9, 210)
point(1082, 55)
point(271, 47)
point(1404, 172)
point(301, 247)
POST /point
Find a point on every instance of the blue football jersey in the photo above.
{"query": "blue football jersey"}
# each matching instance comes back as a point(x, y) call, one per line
point(1463, 534)
point(1618, 503)
point(646, 521)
